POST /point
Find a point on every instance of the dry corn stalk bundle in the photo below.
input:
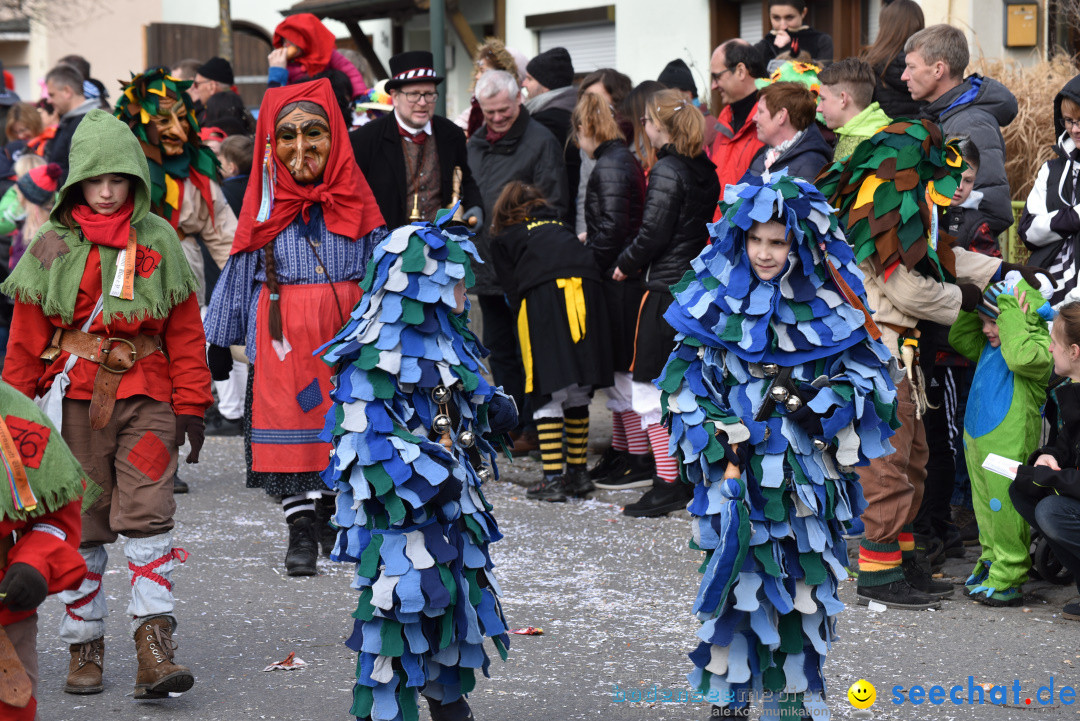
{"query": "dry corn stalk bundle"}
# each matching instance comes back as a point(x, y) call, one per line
point(1029, 139)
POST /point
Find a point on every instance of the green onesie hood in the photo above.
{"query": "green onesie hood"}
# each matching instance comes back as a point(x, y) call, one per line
point(104, 144)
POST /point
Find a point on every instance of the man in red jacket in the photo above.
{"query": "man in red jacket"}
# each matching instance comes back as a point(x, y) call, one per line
point(734, 66)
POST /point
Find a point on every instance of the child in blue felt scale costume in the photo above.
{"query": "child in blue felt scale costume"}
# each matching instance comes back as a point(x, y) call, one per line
point(1008, 337)
point(411, 423)
point(776, 388)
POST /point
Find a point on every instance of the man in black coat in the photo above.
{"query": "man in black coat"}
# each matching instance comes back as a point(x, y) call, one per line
point(408, 156)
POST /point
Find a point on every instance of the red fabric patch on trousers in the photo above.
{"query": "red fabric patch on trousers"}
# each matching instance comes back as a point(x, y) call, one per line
point(150, 456)
point(30, 439)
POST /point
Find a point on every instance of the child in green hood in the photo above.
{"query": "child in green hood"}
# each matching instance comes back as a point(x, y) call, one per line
point(105, 297)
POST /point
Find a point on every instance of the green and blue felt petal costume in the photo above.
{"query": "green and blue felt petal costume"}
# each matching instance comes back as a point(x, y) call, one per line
point(410, 509)
point(771, 532)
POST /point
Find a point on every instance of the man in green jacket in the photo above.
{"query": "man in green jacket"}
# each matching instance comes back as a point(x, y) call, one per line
point(847, 88)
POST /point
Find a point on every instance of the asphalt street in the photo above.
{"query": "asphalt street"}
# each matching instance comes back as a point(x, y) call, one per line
point(612, 595)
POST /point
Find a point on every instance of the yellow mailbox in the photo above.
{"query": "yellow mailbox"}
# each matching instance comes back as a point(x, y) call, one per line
point(1021, 24)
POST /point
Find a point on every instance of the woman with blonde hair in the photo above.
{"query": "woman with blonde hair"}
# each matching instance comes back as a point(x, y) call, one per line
point(614, 201)
point(680, 199)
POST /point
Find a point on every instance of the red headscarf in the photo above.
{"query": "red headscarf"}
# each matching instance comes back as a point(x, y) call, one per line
point(348, 206)
point(307, 32)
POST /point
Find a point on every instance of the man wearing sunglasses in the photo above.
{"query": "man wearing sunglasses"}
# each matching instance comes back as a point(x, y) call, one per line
point(733, 68)
point(409, 156)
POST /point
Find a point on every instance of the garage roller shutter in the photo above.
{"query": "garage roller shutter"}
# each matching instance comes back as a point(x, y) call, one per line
point(591, 47)
point(750, 22)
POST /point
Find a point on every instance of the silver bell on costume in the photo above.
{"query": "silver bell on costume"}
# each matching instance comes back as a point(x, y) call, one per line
point(793, 402)
point(770, 369)
point(442, 423)
point(485, 475)
point(467, 439)
point(820, 444)
point(440, 394)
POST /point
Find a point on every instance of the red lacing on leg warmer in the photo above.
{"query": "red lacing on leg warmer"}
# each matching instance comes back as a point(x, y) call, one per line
point(147, 571)
point(96, 577)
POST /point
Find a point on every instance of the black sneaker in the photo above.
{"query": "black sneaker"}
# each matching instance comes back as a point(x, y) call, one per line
point(661, 499)
point(223, 426)
point(178, 485)
point(898, 594)
point(954, 544)
point(611, 461)
point(1071, 611)
point(637, 473)
point(549, 489)
point(917, 573)
point(576, 481)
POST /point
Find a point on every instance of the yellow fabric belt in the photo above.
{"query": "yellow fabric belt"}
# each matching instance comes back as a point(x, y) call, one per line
point(526, 346)
point(575, 306)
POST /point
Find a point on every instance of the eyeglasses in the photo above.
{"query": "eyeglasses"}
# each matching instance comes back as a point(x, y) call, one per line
point(716, 76)
point(414, 96)
point(1070, 123)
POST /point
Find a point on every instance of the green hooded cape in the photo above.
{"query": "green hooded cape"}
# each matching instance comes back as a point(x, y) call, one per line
point(49, 273)
point(56, 478)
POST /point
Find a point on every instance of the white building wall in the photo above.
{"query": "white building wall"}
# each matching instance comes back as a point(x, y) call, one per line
point(983, 21)
point(648, 35)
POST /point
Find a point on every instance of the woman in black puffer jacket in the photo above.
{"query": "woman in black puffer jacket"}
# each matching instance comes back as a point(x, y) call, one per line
point(614, 200)
point(680, 200)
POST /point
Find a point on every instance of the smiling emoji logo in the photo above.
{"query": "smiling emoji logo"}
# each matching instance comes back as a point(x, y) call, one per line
point(862, 694)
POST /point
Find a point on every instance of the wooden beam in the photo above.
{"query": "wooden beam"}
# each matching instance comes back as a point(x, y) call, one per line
point(363, 46)
point(602, 14)
point(464, 31)
point(500, 19)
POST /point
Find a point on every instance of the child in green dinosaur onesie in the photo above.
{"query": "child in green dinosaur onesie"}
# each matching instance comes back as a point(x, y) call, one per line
point(1008, 337)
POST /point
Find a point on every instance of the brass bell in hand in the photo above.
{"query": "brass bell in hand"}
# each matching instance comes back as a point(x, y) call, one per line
point(793, 402)
point(779, 393)
point(770, 369)
point(440, 394)
point(466, 439)
point(442, 423)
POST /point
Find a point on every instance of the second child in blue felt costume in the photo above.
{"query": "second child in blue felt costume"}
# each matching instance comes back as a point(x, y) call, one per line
point(413, 426)
point(777, 388)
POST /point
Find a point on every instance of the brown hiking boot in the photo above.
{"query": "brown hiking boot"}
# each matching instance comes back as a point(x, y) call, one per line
point(154, 648)
point(85, 667)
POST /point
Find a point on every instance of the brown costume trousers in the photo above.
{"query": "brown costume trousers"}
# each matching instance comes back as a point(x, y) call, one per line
point(893, 484)
point(133, 460)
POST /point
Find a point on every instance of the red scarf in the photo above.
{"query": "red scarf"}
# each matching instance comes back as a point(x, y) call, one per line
point(109, 230)
point(348, 205)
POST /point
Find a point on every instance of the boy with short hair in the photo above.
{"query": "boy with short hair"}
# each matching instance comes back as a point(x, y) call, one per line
point(236, 155)
point(966, 203)
point(846, 103)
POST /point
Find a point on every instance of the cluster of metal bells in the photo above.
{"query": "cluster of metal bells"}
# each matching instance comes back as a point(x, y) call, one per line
point(780, 394)
point(442, 424)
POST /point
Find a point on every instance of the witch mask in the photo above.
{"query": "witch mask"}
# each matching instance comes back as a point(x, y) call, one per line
point(302, 141)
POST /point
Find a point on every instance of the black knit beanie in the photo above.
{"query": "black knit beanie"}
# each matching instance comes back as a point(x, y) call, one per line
point(552, 68)
point(677, 75)
point(217, 69)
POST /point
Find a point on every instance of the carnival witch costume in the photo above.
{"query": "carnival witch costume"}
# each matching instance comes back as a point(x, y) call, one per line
point(775, 390)
point(411, 425)
point(307, 229)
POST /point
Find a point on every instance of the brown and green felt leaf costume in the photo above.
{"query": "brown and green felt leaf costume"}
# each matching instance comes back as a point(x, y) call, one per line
point(890, 195)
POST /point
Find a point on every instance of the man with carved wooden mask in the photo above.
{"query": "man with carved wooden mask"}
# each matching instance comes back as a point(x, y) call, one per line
point(183, 172)
point(185, 191)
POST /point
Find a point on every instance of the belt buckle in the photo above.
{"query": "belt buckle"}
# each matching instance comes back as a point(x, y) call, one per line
point(112, 341)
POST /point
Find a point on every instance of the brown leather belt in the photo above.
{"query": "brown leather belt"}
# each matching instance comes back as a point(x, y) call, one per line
point(114, 357)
